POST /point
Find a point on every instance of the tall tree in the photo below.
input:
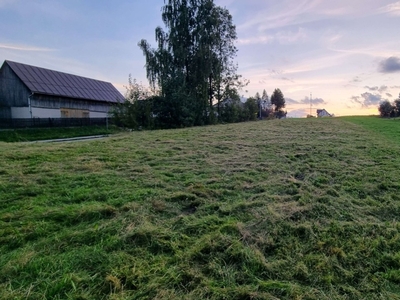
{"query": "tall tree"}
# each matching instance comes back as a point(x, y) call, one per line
point(257, 97)
point(265, 99)
point(278, 100)
point(193, 60)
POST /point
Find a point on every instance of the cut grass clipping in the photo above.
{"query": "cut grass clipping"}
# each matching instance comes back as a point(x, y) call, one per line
point(282, 209)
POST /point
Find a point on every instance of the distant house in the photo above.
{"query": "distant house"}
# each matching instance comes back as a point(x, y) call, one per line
point(32, 92)
point(323, 113)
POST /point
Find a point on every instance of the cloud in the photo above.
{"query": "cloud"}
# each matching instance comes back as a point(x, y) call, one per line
point(389, 95)
point(255, 40)
point(298, 113)
point(390, 65)
point(395, 87)
point(278, 16)
point(356, 79)
point(392, 9)
point(314, 64)
point(289, 37)
point(291, 101)
point(25, 48)
point(380, 89)
point(374, 88)
point(276, 72)
point(315, 101)
point(287, 79)
point(368, 99)
point(282, 37)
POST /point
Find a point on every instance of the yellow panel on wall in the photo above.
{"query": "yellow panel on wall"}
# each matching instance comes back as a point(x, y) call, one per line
point(74, 113)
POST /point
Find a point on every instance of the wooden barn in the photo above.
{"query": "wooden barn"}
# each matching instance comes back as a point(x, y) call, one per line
point(28, 92)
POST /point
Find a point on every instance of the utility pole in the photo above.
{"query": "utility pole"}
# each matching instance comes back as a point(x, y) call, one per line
point(310, 103)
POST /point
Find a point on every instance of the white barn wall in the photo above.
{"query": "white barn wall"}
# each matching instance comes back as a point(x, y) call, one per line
point(45, 113)
point(37, 112)
point(95, 114)
point(20, 113)
point(24, 113)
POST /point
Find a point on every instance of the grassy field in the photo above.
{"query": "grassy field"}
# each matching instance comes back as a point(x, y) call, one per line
point(282, 209)
point(390, 128)
point(35, 134)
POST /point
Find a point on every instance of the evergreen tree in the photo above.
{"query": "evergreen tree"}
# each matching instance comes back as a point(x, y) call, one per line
point(259, 105)
point(277, 100)
point(265, 100)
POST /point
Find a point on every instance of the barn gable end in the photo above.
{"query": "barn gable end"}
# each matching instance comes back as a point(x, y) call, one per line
point(13, 92)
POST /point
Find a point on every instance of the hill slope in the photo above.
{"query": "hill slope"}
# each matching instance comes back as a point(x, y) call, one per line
point(283, 209)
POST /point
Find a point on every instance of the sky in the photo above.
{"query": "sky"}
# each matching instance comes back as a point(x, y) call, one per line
point(343, 54)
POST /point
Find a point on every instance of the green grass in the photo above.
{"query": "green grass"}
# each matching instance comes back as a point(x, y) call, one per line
point(35, 134)
point(281, 209)
point(390, 128)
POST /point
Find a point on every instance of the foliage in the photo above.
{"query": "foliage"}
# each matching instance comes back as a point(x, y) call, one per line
point(143, 111)
point(266, 101)
point(136, 91)
point(251, 109)
point(233, 211)
point(277, 100)
point(137, 111)
point(259, 106)
point(386, 109)
point(193, 61)
point(396, 105)
point(231, 111)
point(280, 114)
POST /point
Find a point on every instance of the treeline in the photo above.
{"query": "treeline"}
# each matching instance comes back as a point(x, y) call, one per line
point(192, 71)
point(389, 109)
point(146, 109)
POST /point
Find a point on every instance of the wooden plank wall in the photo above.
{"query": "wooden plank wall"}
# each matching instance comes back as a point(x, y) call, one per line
point(12, 91)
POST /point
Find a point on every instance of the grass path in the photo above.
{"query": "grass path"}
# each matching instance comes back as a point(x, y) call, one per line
point(283, 209)
point(37, 134)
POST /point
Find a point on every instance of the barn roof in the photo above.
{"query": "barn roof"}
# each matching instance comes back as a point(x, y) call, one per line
point(49, 82)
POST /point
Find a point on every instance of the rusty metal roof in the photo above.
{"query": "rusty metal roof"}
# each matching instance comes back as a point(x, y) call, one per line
point(49, 82)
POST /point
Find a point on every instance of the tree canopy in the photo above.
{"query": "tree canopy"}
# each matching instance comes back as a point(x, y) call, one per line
point(386, 109)
point(278, 100)
point(193, 63)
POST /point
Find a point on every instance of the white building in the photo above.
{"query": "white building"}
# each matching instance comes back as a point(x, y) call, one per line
point(323, 113)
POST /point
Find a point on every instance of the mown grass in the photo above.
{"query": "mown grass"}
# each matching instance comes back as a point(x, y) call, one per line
point(35, 134)
point(282, 209)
